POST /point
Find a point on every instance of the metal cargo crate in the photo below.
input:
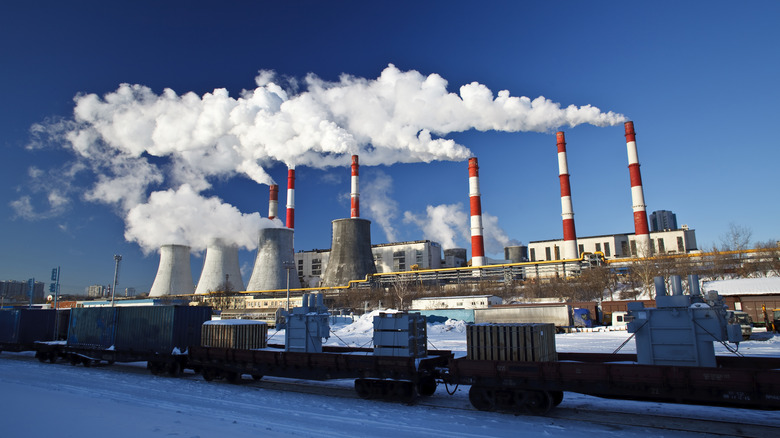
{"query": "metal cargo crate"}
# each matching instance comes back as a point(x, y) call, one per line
point(511, 342)
point(159, 329)
point(92, 327)
point(26, 326)
point(234, 333)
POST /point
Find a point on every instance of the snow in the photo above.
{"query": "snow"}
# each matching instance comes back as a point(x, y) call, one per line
point(744, 286)
point(125, 400)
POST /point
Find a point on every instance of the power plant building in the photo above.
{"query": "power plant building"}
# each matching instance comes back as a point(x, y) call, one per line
point(613, 246)
point(388, 257)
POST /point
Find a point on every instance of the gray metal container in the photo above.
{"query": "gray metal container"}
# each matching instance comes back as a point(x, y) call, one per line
point(26, 326)
point(160, 329)
point(92, 327)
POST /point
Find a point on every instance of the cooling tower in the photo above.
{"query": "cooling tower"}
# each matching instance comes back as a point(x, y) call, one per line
point(644, 247)
point(174, 276)
point(567, 211)
point(350, 253)
point(220, 266)
point(516, 254)
point(275, 247)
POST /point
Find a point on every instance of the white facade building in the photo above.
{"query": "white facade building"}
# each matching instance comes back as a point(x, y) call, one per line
point(615, 246)
point(462, 302)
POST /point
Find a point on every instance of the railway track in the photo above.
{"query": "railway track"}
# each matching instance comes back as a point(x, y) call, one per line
point(680, 423)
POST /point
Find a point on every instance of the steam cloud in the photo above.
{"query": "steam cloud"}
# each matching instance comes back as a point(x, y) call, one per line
point(154, 154)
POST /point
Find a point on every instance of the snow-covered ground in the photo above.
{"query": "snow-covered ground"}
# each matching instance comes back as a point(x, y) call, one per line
point(124, 400)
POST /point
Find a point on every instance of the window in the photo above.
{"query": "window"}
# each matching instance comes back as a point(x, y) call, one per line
point(606, 249)
point(598, 247)
point(557, 253)
point(581, 248)
point(378, 262)
point(418, 257)
point(399, 261)
point(300, 267)
point(316, 266)
point(680, 244)
point(633, 247)
point(661, 248)
point(547, 253)
point(533, 254)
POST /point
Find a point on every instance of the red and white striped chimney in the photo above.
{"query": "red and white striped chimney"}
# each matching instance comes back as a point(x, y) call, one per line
point(290, 198)
point(644, 247)
point(477, 243)
point(273, 201)
point(355, 194)
point(567, 211)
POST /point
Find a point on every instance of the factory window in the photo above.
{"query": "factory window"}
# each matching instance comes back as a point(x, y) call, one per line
point(680, 244)
point(399, 261)
point(418, 257)
point(533, 254)
point(547, 253)
point(598, 247)
point(606, 249)
point(633, 247)
point(557, 253)
point(316, 266)
point(300, 267)
point(661, 248)
point(581, 248)
point(378, 262)
point(624, 248)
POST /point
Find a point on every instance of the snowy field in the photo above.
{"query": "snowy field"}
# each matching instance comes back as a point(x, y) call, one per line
point(124, 400)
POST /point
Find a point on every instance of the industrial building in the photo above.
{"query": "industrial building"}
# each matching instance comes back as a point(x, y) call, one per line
point(615, 246)
point(661, 220)
point(458, 302)
point(388, 257)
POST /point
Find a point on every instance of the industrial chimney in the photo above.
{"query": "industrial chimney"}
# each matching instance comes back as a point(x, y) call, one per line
point(273, 201)
point(355, 192)
point(350, 252)
point(567, 211)
point(174, 276)
point(644, 247)
point(220, 269)
point(291, 198)
point(477, 244)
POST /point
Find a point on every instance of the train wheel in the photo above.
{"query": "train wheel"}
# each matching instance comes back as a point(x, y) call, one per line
point(87, 362)
point(557, 397)
point(538, 402)
point(257, 376)
point(208, 374)
point(52, 357)
point(74, 360)
point(481, 398)
point(362, 389)
point(426, 386)
point(174, 369)
point(232, 377)
point(42, 357)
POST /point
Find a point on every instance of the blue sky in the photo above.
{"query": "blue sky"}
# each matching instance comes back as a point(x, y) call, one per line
point(699, 84)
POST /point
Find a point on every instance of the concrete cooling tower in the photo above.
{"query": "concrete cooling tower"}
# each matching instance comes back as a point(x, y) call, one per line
point(350, 253)
point(174, 276)
point(219, 266)
point(275, 247)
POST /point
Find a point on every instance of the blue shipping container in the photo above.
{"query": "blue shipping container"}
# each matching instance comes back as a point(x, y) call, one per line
point(92, 327)
point(160, 329)
point(26, 326)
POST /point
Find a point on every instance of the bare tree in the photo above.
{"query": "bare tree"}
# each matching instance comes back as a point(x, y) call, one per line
point(737, 238)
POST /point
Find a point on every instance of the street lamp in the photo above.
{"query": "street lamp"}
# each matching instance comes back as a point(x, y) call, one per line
point(288, 265)
point(117, 259)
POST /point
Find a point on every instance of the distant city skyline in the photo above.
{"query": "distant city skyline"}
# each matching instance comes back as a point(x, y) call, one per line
point(132, 127)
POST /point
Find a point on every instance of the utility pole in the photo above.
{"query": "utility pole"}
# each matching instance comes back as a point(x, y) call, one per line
point(117, 259)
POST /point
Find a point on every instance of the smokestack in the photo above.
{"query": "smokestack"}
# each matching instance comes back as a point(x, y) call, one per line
point(274, 255)
point(220, 267)
point(644, 247)
point(273, 201)
point(567, 211)
point(291, 198)
point(355, 193)
point(477, 244)
point(174, 275)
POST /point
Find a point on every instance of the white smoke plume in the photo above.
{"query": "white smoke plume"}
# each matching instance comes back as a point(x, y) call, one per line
point(376, 199)
point(444, 223)
point(449, 225)
point(146, 149)
point(185, 217)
